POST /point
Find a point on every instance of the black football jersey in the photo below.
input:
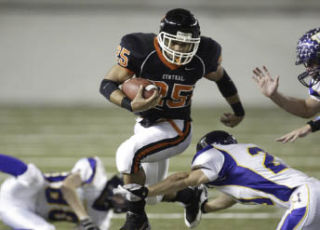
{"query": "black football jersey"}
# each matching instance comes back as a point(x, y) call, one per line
point(140, 53)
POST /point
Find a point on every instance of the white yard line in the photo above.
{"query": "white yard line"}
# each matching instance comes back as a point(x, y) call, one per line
point(293, 161)
point(210, 216)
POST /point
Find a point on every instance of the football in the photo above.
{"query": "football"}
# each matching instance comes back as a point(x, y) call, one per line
point(131, 86)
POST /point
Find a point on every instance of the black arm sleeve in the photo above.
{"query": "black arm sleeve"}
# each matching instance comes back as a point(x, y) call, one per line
point(226, 85)
point(228, 89)
point(107, 87)
point(315, 125)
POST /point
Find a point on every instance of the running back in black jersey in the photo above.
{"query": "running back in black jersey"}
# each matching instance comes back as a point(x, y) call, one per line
point(140, 53)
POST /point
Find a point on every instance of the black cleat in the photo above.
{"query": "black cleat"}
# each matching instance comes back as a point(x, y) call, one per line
point(136, 222)
point(192, 211)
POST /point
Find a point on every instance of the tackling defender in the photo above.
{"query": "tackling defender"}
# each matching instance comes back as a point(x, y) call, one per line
point(247, 174)
point(308, 53)
point(174, 60)
point(30, 199)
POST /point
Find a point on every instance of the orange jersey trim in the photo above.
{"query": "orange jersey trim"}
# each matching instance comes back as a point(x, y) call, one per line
point(174, 125)
point(161, 145)
point(162, 58)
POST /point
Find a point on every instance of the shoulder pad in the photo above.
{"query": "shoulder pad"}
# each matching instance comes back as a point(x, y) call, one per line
point(133, 49)
point(209, 51)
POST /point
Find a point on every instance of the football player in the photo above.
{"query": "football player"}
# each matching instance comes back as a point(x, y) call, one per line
point(30, 199)
point(308, 53)
point(243, 173)
point(174, 59)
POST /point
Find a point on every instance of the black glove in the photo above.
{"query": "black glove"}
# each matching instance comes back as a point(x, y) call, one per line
point(87, 224)
point(107, 200)
point(118, 203)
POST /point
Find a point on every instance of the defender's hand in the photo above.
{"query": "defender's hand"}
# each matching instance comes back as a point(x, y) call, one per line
point(292, 136)
point(87, 224)
point(230, 120)
point(267, 85)
point(132, 192)
point(139, 103)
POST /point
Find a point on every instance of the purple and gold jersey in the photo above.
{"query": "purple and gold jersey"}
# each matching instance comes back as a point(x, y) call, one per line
point(31, 199)
point(51, 203)
point(140, 54)
point(249, 174)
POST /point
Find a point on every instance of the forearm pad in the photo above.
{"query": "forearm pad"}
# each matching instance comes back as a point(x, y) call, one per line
point(315, 124)
point(126, 103)
point(107, 87)
point(226, 85)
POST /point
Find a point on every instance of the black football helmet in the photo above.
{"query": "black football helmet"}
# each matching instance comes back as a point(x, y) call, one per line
point(308, 53)
point(179, 26)
point(216, 137)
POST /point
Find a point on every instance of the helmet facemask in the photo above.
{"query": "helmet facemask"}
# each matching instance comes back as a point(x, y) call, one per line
point(310, 77)
point(179, 36)
point(187, 47)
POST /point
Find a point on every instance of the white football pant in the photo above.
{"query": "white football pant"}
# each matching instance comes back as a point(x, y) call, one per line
point(304, 212)
point(151, 148)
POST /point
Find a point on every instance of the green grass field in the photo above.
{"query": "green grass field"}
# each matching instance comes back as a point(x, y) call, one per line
point(55, 137)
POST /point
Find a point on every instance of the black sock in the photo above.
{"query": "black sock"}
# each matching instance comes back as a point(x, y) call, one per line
point(137, 207)
point(184, 196)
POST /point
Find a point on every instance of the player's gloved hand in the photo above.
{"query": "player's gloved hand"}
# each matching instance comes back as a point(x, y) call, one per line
point(132, 192)
point(230, 120)
point(87, 224)
point(139, 103)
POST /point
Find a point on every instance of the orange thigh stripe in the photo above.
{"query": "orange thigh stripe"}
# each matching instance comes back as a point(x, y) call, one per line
point(141, 153)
